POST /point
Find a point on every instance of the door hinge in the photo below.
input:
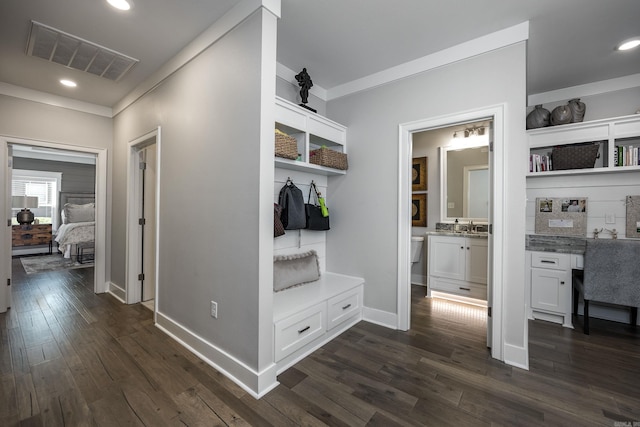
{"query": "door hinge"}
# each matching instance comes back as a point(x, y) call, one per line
point(141, 221)
point(491, 146)
point(141, 276)
point(490, 228)
point(8, 223)
point(143, 165)
point(489, 311)
point(8, 282)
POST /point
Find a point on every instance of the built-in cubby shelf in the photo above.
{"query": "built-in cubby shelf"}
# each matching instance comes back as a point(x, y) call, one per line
point(311, 132)
point(608, 133)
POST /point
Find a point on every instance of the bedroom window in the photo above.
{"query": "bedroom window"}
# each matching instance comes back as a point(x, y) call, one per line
point(43, 185)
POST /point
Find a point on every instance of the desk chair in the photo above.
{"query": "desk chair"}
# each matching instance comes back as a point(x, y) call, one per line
point(611, 274)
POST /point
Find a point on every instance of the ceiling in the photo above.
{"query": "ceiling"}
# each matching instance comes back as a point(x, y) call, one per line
point(571, 41)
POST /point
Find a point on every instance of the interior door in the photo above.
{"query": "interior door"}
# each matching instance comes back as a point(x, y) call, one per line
point(490, 240)
point(5, 300)
point(149, 179)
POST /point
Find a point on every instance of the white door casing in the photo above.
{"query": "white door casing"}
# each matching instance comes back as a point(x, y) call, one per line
point(496, 213)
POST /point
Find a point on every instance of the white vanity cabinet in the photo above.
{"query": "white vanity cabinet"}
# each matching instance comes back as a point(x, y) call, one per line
point(549, 282)
point(458, 265)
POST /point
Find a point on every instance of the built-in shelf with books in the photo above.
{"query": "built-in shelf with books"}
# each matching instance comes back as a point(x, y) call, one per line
point(618, 141)
point(312, 131)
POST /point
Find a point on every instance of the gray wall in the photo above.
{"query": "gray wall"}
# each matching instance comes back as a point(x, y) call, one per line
point(210, 117)
point(76, 177)
point(364, 236)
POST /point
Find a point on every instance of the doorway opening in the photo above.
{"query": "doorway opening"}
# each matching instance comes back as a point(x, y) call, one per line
point(495, 115)
point(44, 172)
point(142, 220)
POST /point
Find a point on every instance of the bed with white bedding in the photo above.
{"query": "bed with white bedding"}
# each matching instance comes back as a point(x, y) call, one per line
point(78, 223)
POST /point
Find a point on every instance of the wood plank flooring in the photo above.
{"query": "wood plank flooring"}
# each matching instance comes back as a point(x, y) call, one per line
point(69, 357)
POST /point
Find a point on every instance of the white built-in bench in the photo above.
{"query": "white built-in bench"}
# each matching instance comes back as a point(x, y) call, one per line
point(306, 317)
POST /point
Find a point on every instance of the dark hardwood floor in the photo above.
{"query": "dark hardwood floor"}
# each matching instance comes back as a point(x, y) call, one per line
point(69, 357)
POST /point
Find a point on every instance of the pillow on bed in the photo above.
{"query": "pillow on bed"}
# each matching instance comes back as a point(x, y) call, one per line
point(78, 213)
point(293, 270)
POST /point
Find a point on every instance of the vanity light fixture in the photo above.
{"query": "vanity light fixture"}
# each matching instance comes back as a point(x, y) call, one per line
point(629, 44)
point(68, 83)
point(120, 4)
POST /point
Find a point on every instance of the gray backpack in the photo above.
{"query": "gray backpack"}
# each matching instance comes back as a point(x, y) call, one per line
point(291, 200)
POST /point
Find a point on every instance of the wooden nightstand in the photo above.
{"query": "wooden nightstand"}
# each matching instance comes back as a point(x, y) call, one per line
point(31, 235)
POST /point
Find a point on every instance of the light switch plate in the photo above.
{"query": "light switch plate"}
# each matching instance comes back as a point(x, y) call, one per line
point(610, 218)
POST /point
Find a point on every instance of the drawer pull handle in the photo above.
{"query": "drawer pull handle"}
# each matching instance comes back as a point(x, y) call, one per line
point(346, 306)
point(546, 261)
point(465, 289)
point(304, 329)
point(562, 283)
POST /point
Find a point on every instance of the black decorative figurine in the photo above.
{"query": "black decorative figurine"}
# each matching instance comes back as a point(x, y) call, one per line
point(305, 83)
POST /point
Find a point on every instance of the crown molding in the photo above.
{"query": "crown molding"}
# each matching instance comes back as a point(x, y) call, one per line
point(54, 100)
point(588, 89)
point(480, 45)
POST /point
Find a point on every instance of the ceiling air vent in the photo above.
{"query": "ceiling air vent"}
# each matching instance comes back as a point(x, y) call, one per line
point(56, 46)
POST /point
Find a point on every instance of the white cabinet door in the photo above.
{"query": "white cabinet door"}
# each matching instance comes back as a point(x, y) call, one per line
point(549, 290)
point(477, 260)
point(447, 257)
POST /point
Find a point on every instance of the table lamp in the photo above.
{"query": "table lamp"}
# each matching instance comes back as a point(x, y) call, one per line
point(25, 216)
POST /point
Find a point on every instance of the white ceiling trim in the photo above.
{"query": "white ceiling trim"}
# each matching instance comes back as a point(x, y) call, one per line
point(480, 45)
point(54, 100)
point(215, 32)
point(596, 88)
point(287, 74)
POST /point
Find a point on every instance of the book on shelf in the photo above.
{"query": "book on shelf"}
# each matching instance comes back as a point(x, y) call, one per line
point(540, 163)
point(626, 155)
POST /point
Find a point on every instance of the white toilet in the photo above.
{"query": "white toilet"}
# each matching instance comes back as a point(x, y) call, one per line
point(417, 242)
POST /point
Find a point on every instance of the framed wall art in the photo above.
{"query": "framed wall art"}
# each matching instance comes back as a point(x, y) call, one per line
point(419, 210)
point(419, 174)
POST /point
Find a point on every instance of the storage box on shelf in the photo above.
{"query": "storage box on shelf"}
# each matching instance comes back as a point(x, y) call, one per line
point(617, 140)
point(311, 132)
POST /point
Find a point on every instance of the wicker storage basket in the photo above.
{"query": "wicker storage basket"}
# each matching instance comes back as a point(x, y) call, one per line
point(329, 158)
point(286, 146)
point(576, 156)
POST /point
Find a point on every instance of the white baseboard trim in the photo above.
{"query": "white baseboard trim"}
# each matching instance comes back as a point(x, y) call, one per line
point(379, 317)
point(117, 292)
point(257, 384)
point(516, 356)
point(419, 279)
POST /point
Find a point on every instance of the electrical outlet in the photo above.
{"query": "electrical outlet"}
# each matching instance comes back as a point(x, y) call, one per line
point(610, 218)
point(451, 205)
point(214, 309)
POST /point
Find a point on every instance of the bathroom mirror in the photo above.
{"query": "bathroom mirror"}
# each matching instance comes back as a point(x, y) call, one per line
point(464, 179)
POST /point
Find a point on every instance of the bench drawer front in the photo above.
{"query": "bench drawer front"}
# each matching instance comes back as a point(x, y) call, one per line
point(294, 332)
point(344, 306)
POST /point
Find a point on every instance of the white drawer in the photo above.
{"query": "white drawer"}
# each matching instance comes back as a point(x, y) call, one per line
point(296, 331)
point(550, 260)
point(343, 307)
point(467, 289)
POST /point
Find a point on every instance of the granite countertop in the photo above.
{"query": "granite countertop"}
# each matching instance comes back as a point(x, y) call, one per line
point(559, 244)
point(476, 235)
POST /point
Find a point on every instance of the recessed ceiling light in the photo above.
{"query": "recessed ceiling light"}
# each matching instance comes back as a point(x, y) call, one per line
point(120, 4)
point(68, 83)
point(629, 44)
